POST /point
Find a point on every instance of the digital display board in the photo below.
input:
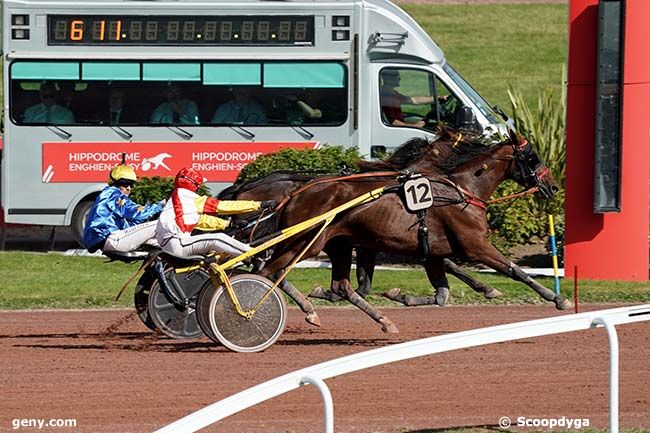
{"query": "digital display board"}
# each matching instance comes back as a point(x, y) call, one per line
point(180, 30)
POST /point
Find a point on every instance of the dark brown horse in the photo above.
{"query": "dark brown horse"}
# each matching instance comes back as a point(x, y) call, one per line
point(456, 226)
point(278, 185)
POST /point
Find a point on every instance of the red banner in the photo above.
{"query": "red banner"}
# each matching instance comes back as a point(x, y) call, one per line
point(217, 161)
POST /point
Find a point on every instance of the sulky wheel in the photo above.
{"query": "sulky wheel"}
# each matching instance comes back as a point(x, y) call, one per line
point(234, 331)
point(177, 322)
point(203, 308)
point(141, 298)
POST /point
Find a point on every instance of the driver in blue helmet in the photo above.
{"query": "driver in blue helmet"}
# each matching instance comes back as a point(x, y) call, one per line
point(117, 224)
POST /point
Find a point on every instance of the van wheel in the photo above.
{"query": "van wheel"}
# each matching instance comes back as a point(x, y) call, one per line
point(79, 220)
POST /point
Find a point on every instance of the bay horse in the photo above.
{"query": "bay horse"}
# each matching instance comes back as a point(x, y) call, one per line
point(457, 227)
point(280, 184)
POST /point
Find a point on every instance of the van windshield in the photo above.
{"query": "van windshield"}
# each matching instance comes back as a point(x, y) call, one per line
point(480, 102)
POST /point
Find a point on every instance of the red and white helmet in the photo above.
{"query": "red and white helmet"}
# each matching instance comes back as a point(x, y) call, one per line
point(189, 178)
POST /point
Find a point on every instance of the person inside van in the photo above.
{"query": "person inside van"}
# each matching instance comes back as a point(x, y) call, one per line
point(188, 213)
point(392, 100)
point(119, 112)
point(48, 111)
point(297, 109)
point(240, 110)
point(177, 109)
point(117, 224)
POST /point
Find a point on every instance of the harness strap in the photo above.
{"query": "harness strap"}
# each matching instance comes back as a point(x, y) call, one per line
point(513, 196)
point(468, 196)
point(144, 265)
point(305, 187)
point(423, 233)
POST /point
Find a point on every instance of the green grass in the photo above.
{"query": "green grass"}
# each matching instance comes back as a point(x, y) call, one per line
point(493, 45)
point(31, 280)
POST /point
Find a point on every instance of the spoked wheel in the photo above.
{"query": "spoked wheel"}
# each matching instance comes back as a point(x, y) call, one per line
point(223, 324)
point(141, 298)
point(178, 323)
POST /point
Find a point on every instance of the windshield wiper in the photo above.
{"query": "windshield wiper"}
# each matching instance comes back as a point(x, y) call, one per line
point(500, 112)
point(182, 131)
point(61, 131)
point(124, 132)
point(302, 131)
point(243, 131)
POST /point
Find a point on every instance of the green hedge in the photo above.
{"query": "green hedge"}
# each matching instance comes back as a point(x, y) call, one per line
point(518, 221)
point(329, 159)
point(156, 188)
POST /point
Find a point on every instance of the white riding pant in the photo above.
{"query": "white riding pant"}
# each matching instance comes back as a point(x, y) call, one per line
point(131, 238)
point(188, 245)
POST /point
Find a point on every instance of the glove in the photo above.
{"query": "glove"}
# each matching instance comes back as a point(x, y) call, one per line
point(237, 224)
point(268, 204)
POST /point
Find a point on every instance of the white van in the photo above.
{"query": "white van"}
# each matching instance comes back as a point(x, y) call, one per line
point(211, 84)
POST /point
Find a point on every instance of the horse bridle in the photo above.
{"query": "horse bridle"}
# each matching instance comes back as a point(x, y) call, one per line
point(526, 164)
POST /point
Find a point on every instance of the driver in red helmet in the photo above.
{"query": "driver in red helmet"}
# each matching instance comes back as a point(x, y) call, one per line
point(188, 211)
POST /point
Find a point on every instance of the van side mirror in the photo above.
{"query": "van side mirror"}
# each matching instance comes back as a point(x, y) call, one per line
point(465, 118)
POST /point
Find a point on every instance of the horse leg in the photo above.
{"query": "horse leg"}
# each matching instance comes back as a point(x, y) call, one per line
point(488, 291)
point(341, 257)
point(487, 254)
point(365, 270)
point(435, 270)
point(273, 271)
point(302, 302)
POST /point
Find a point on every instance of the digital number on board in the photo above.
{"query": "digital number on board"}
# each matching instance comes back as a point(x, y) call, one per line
point(183, 30)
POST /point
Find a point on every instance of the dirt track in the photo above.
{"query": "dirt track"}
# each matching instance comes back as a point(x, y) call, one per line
point(68, 364)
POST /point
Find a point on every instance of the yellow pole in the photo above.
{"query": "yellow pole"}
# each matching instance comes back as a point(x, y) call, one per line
point(554, 254)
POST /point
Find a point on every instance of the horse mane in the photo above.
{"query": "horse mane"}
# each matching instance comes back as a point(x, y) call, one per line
point(232, 192)
point(403, 156)
point(467, 148)
point(412, 150)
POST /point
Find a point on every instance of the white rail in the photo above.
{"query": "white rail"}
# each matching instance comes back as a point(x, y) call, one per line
point(398, 352)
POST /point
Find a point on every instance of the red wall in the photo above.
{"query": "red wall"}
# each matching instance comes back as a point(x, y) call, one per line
point(611, 246)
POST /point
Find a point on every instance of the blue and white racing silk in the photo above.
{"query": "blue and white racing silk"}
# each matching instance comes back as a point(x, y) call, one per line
point(113, 211)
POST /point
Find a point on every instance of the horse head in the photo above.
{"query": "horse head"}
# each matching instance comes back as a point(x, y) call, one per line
point(530, 171)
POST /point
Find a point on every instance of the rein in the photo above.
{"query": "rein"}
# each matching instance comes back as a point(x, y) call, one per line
point(514, 196)
point(305, 187)
point(469, 197)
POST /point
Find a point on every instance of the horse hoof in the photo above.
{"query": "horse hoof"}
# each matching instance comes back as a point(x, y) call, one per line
point(313, 319)
point(492, 293)
point(392, 293)
point(442, 296)
point(387, 326)
point(562, 303)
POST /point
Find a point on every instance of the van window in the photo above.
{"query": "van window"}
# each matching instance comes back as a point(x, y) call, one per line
point(160, 93)
point(415, 98)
